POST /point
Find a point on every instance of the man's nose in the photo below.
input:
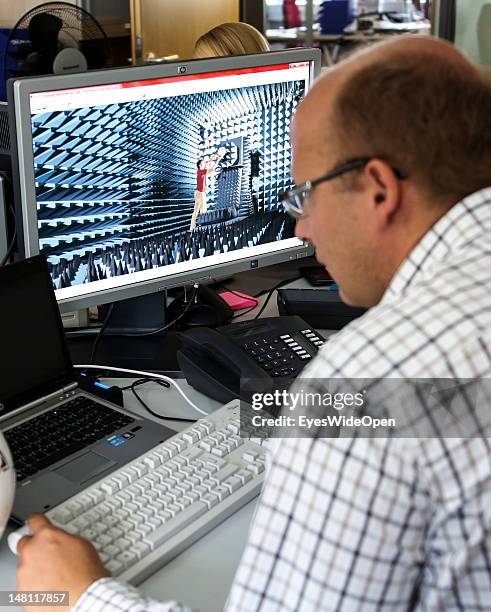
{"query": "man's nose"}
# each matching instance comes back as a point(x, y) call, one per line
point(302, 229)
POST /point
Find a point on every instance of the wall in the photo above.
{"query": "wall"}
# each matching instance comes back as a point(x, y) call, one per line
point(11, 12)
point(466, 31)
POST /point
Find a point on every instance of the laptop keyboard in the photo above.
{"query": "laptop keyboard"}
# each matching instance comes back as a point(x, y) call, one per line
point(56, 434)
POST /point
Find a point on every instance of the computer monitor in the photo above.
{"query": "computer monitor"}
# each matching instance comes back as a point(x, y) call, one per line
point(139, 179)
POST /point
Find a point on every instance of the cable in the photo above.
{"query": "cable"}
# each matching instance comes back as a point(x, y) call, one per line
point(146, 375)
point(271, 291)
point(147, 407)
point(168, 325)
point(244, 312)
point(138, 335)
point(99, 334)
point(278, 285)
point(10, 248)
point(141, 381)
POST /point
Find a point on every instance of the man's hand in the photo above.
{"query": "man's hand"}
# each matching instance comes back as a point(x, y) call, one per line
point(53, 560)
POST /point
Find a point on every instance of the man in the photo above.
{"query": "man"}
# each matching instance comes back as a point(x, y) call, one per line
point(204, 169)
point(405, 229)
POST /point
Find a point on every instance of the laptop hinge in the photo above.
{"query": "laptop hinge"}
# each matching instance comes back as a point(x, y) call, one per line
point(59, 395)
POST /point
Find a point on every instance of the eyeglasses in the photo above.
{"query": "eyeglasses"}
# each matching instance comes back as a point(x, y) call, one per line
point(295, 199)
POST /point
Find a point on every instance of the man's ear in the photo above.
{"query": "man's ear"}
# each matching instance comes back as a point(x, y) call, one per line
point(384, 187)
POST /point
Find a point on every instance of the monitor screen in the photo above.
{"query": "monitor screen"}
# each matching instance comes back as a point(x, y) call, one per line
point(160, 178)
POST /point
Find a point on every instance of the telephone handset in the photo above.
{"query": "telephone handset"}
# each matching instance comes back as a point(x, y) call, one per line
point(215, 360)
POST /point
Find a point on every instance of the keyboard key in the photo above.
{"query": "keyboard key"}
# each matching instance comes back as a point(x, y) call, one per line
point(220, 451)
point(154, 522)
point(244, 475)
point(250, 456)
point(256, 468)
point(183, 502)
point(153, 461)
point(89, 534)
point(112, 550)
point(143, 529)
point(221, 491)
point(179, 444)
point(140, 468)
point(208, 426)
point(173, 526)
point(141, 549)
point(192, 495)
point(127, 558)
point(210, 499)
point(233, 483)
point(208, 444)
point(104, 540)
point(190, 437)
point(86, 501)
point(215, 461)
point(173, 509)
point(201, 490)
point(198, 432)
point(122, 543)
point(81, 523)
point(114, 567)
point(115, 533)
point(121, 480)
point(99, 527)
point(110, 487)
point(131, 474)
point(224, 473)
point(62, 516)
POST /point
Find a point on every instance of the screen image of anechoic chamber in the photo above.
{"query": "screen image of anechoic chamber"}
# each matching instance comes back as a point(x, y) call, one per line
point(130, 186)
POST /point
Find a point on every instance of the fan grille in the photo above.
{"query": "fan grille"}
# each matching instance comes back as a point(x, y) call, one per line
point(79, 30)
point(4, 130)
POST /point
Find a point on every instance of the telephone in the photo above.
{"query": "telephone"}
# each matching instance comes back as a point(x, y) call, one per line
point(214, 360)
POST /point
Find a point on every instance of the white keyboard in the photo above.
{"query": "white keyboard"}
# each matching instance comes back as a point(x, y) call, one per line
point(146, 513)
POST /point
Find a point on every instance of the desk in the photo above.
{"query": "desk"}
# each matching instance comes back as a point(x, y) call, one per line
point(210, 563)
point(331, 44)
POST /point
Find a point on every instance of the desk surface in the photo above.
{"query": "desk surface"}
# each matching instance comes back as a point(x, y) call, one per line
point(212, 560)
point(210, 563)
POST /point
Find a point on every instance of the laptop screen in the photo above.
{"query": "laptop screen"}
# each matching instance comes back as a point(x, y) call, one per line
point(34, 358)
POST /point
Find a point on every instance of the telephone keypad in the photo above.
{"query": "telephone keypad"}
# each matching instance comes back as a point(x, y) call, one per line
point(277, 356)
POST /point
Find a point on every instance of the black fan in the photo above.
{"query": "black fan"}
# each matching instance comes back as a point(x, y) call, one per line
point(56, 37)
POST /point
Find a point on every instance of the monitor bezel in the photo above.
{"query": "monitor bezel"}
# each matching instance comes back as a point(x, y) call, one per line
point(19, 90)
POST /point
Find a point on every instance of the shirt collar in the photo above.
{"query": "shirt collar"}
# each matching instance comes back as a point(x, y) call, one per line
point(468, 220)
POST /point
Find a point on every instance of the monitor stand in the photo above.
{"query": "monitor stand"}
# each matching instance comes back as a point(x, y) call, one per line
point(147, 313)
point(124, 343)
point(138, 315)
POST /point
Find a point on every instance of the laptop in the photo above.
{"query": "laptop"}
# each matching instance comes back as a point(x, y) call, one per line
point(62, 438)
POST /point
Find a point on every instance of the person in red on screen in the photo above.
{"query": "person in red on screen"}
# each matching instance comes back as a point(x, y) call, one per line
point(204, 169)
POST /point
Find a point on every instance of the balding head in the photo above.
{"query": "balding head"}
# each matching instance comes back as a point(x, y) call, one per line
point(416, 101)
point(415, 107)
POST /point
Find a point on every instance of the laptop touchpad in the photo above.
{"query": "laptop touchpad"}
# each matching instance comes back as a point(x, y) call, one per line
point(85, 467)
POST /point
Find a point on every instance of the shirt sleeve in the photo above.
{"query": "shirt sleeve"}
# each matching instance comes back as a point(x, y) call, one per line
point(108, 595)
